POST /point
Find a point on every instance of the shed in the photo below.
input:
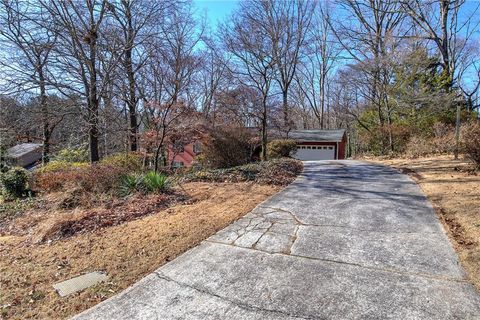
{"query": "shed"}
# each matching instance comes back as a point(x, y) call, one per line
point(24, 154)
point(319, 144)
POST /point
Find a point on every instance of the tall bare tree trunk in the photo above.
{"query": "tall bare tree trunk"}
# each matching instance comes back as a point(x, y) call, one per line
point(93, 99)
point(264, 128)
point(46, 132)
point(132, 99)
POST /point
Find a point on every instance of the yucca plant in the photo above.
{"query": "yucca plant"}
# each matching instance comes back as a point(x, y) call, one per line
point(155, 182)
point(130, 184)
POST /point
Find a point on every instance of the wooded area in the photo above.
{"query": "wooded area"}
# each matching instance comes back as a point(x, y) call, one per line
point(132, 75)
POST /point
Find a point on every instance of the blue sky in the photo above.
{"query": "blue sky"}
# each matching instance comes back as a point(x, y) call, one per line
point(216, 10)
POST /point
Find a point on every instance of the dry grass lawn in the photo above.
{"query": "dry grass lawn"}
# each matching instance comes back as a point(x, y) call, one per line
point(127, 252)
point(454, 189)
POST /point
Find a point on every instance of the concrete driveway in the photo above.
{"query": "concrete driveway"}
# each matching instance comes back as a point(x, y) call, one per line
point(346, 240)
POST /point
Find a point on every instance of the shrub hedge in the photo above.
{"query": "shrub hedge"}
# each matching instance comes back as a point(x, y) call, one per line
point(471, 142)
point(277, 172)
point(281, 148)
point(14, 182)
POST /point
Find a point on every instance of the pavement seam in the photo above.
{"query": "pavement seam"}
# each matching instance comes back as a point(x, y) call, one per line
point(405, 273)
point(237, 303)
point(298, 222)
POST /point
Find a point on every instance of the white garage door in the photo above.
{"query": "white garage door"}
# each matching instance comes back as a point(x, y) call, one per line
point(317, 152)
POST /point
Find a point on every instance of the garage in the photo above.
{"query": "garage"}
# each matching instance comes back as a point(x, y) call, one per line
point(315, 152)
point(315, 145)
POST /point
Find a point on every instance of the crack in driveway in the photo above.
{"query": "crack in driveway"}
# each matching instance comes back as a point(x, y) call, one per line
point(298, 255)
point(235, 302)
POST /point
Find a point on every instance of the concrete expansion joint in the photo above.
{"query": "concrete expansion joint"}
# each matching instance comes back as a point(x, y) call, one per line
point(388, 270)
point(298, 222)
point(235, 302)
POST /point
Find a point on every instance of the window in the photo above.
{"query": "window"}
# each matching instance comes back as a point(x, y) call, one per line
point(331, 148)
point(178, 164)
point(178, 147)
point(197, 147)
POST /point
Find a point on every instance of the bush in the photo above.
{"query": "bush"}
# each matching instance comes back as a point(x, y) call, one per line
point(73, 154)
point(443, 142)
point(57, 165)
point(155, 182)
point(129, 161)
point(471, 142)
point(130, 184)
point(281, 148)
point(103, 177)
point(277, 172)
point(419, 147)
point(15, 182)
point(92, 178)
point(146, 183)
point(228, 147)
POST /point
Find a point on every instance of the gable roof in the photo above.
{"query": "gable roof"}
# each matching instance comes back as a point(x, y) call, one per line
point(317, 135)
point(22, 149)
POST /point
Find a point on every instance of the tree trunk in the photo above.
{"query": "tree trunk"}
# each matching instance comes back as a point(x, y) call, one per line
point(322, 99)
point(93, 102)
point(457, 132)
point(132, 99)
point(157, 154)
point(286, 114)
point(45, 123)
point(264, 129)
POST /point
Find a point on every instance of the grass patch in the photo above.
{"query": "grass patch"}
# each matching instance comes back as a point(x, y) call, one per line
point(127, 251)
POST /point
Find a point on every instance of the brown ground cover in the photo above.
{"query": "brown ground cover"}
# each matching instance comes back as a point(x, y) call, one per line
point(454, 190)
point(31, 261)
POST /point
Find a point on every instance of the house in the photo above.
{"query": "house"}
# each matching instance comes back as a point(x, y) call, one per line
point(183, 156)
point(319, 144)
point(311, 145)
point(24, 154)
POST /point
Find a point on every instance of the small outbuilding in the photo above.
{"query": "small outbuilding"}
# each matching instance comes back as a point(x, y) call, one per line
point(24, 154)
point(319, 144)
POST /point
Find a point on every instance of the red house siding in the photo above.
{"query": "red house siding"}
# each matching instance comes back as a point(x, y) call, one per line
point(187, 156)
point(342, 147)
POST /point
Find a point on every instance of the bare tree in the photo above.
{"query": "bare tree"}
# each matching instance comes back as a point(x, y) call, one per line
point(369, 38)
point(440, 23)
point(29, 44)
point(286, 24)
point(136, 21)
point(211, 76)
point(322, 55)
point(168, 76)
point(252, 58)
point(80, 27)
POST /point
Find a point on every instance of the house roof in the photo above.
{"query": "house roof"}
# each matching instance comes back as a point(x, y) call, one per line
point(22, 149)
point(317, 135)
